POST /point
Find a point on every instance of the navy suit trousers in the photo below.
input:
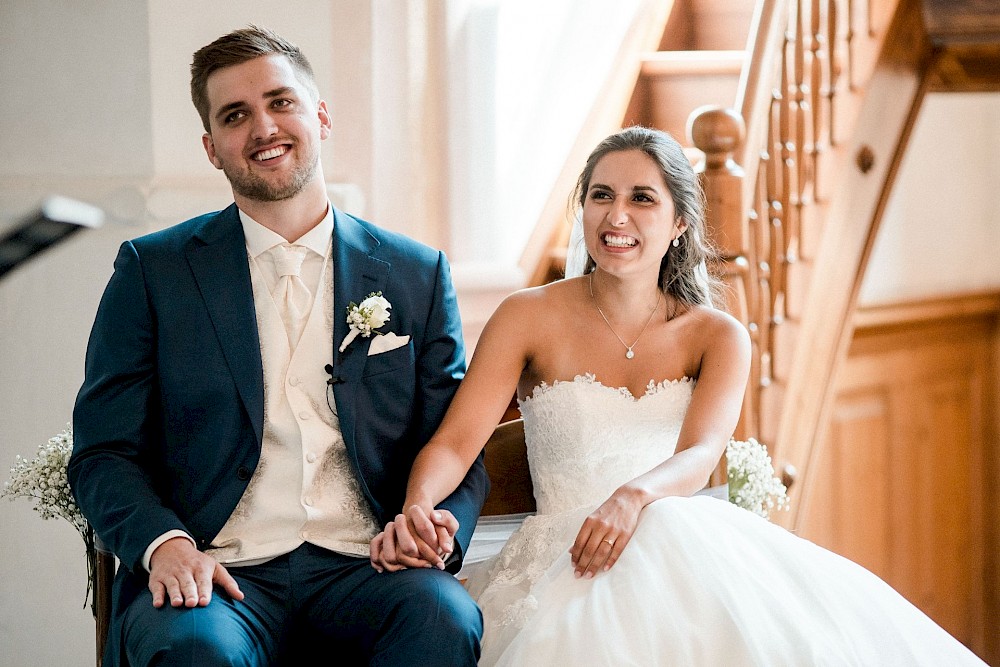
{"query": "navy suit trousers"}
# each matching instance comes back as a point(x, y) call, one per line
point(313, 606)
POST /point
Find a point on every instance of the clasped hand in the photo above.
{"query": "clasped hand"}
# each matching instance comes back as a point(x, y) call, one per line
point(417, 537)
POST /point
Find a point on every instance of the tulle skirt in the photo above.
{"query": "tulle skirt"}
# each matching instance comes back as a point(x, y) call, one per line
point(701, 583)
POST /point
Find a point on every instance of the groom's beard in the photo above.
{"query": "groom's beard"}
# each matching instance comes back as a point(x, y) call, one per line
point(257, 188)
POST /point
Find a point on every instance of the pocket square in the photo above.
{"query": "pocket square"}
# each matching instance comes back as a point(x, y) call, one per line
point(386, 343)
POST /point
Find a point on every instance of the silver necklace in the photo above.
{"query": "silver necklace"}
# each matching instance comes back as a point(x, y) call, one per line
point(628, 348)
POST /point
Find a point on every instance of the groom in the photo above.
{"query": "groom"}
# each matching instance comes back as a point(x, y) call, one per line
point(235, 446)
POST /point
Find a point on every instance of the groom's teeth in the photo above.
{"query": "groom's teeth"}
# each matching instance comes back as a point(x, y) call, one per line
point(268, 154)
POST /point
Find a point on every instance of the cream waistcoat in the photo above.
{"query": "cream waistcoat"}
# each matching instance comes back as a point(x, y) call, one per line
point(303, 489)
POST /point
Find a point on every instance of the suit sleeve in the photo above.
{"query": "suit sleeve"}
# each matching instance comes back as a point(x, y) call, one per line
point(441, 368)
point(116, 421)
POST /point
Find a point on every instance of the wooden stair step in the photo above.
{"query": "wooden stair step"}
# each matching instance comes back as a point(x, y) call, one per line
point(691, 63)
point(672, 83)
point(708, 24)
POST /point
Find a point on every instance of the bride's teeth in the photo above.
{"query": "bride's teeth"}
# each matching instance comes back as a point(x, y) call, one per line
point(619, 241)
point(268, 154)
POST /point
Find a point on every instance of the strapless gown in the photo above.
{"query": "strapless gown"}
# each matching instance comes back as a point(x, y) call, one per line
point(701, 583)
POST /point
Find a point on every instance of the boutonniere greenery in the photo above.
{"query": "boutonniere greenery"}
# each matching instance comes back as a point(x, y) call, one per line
point(752, 484)
point(43, 479)
point(365, 317)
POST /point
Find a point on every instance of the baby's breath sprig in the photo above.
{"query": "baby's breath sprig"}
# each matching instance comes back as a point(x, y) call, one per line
point(752, 484)
point(43, 479)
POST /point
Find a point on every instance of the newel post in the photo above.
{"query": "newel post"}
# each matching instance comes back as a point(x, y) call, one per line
point(718, 132)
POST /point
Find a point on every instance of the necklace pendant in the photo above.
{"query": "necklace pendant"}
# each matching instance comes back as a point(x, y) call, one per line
point(629, 354)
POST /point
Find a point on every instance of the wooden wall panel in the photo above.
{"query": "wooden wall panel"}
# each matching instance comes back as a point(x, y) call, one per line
point(858, 483)
point(900, 481)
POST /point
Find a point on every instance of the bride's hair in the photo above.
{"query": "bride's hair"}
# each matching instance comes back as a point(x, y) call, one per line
point(683, 272)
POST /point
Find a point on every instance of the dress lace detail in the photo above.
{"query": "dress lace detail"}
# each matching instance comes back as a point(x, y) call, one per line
point(562, 421)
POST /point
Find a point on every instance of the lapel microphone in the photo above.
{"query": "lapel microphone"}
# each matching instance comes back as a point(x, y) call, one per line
point(334, 379)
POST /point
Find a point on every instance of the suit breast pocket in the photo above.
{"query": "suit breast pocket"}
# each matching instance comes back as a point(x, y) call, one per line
point(388, 362)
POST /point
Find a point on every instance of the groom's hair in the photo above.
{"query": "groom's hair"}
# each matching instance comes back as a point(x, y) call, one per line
point(238, 47)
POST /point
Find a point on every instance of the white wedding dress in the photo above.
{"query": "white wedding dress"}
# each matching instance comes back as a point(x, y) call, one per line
point(701, 583)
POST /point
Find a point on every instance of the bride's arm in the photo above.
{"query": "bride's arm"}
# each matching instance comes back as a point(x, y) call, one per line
point(710, 419)
point(709, 423)
point(479, 403)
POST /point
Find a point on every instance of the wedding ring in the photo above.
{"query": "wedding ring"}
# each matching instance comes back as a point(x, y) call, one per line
point(611, 543)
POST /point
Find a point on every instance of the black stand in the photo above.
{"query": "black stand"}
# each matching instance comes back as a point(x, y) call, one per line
point(56, 219)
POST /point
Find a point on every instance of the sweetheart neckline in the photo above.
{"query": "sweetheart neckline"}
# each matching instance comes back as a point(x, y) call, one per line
point(652, 389)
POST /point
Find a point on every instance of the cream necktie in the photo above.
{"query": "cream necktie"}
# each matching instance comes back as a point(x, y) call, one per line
point(291, 295)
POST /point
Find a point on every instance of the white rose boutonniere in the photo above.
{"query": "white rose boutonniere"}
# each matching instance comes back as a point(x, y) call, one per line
point(365, 317)
point(752, 484)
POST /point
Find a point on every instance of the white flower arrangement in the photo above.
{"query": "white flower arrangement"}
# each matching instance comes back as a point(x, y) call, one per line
point(365, 317)
point(44, 480)
point(752, 484)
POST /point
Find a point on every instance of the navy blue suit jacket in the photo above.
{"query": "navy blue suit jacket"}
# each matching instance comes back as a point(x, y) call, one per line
point(169, 420)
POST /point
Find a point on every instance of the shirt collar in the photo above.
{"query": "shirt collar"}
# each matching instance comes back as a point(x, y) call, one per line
point(260, 239)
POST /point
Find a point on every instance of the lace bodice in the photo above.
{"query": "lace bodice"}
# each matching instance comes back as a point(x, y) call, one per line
point(586, 439)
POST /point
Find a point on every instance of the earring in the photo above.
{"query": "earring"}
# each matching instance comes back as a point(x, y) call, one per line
point(676, 242)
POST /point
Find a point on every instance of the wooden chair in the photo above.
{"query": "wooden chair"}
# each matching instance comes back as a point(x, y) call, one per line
point(506, 459)
point(104, 574)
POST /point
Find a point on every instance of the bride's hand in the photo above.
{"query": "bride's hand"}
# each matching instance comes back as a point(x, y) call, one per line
point(428, 535)
point(605, 534)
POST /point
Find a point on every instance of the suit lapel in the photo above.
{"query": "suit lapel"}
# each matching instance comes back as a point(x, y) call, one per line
point(357, 273)
point(218, 259)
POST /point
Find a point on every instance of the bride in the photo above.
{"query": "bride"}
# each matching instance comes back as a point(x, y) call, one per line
point(630, 384)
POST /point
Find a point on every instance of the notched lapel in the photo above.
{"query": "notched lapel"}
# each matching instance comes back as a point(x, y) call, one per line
point(357, 273)
point(218, 260)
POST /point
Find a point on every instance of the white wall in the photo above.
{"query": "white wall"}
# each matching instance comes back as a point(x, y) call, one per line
point(74, 103)
point(522, 77)
point(941, 228)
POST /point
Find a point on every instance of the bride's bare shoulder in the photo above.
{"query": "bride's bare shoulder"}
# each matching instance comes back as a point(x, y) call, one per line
point(532, 314)
point(544, 300)
point(714, 326)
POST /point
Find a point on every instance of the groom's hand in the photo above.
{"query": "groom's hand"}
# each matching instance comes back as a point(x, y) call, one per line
point(184, 576)
point(415, 539)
